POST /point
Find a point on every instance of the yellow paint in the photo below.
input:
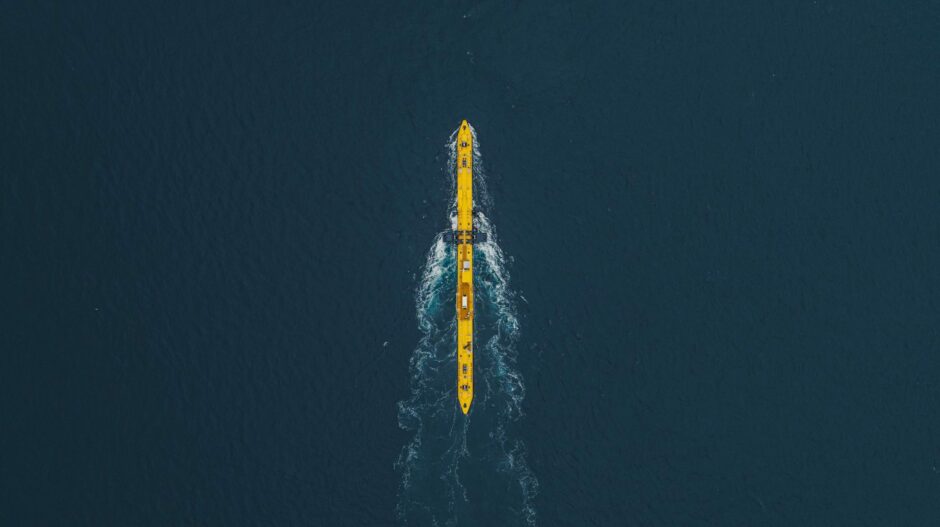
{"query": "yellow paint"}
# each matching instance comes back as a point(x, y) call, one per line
point(464, 266)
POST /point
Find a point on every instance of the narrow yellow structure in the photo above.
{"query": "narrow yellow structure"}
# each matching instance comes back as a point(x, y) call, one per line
point(464, 238)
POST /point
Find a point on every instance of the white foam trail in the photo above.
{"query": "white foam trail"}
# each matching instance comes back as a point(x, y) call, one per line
point(502, 353)
point(431, 491)
point(432, 444)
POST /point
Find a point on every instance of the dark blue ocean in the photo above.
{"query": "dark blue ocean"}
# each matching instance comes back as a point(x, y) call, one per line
point(710, 296)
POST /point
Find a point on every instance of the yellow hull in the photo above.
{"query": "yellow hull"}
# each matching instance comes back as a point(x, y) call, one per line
point(464, 242)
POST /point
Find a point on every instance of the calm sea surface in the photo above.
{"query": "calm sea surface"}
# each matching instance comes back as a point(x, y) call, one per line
point(711, 298)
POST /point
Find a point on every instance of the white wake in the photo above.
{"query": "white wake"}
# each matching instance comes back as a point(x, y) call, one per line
point(444, 443)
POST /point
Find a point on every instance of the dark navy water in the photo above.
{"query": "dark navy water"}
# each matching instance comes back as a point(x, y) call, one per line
point(711, 298)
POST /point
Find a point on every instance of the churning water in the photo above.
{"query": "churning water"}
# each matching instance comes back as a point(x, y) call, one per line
point(468, 468)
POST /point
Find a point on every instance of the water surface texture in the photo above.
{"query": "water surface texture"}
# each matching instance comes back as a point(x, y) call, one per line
point(711, 299)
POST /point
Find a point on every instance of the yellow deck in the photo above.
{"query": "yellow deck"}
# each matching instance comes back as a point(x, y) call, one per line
point(464, 266)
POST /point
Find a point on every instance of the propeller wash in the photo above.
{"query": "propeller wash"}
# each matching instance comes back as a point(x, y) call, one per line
point(465, 462)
